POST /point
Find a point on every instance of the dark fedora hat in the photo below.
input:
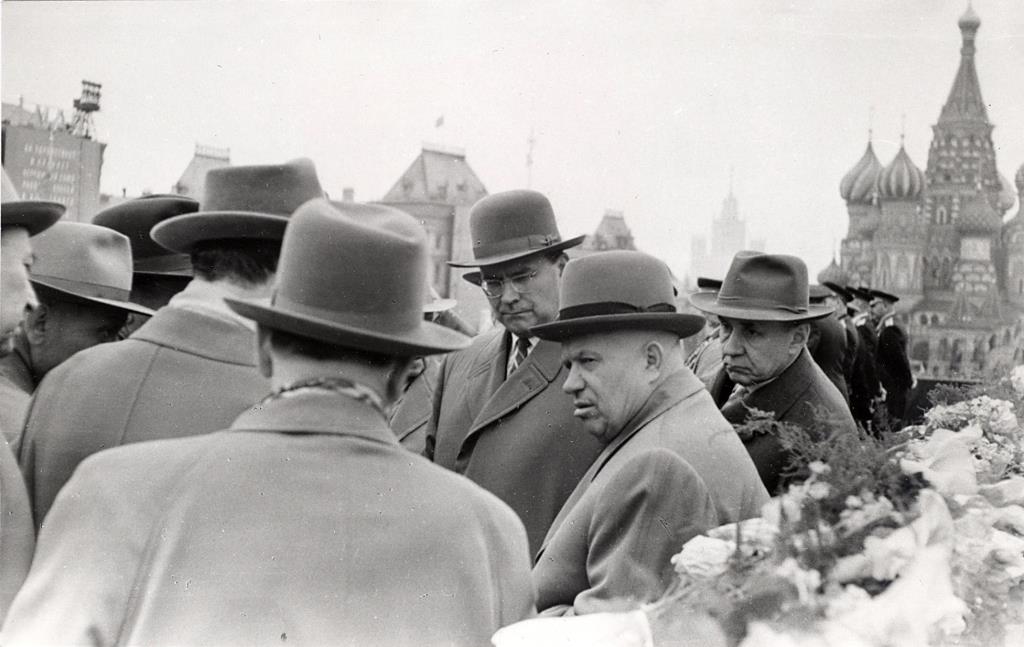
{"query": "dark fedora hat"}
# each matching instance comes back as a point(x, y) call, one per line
point(354, 275)
point(762, 287)
point(705, 283)
point(884, 296)
point(617, 290)
point(243, 202)
point(512, 225)
point(31, 215)
point(136, 218)
point(86, 263)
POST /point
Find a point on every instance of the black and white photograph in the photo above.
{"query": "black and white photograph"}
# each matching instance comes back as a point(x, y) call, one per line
point(512, 324)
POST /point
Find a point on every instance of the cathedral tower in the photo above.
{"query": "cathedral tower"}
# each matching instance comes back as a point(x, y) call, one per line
point(858, 189)
point(902, 228)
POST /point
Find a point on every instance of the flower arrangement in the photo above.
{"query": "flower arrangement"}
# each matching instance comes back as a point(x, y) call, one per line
point(916, 538)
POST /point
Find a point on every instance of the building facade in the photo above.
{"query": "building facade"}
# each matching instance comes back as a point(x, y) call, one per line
point(728, 236)
point(936, 237)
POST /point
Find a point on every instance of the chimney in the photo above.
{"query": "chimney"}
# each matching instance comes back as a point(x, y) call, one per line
point(348, 194)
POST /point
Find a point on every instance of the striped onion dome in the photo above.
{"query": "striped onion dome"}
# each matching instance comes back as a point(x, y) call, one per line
point(858, 185)
point(901, 180)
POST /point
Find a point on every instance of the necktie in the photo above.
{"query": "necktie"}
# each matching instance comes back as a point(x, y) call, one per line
point(522, 347)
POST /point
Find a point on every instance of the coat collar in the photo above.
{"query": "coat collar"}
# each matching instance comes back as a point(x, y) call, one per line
point(536, 373)
point(779, 395)
point(677, 387)
point(198, 333)
point(317, 412)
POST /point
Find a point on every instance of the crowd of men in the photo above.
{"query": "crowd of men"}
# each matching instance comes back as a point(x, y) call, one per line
point(246, 420)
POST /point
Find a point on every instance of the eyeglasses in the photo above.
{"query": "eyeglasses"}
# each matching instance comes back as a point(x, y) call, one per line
point(521, 283)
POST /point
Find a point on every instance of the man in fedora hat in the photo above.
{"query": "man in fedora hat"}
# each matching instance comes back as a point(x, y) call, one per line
point(158, 273)
point(827, 341)
point(189, 369)
point(706, 360)
point(671, 466)
point(499, 417)
point(305, 522)
point(82, 277)
point(765, 313)
point(841, 299)
point(891, 359)
point(19, 221)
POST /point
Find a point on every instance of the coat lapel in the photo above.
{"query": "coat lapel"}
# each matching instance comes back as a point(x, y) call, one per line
point(540, 369)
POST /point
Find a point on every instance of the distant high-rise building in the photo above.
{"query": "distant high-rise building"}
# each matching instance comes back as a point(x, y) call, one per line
point(51, 157)
point(728, 236)
point(937, 240)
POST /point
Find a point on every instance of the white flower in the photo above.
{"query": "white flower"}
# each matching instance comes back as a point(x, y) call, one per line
point(945, 461)
point(849, 598)
point(757, 535)
point(1017, 380)
point(805, 581)
point(817, 467)
point(1005, 492)
point(913, 607)
point(818, 490)
point(703, 557)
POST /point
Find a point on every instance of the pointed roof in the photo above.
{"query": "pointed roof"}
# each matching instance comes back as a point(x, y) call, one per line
point(438, 175)
point(858, 185)
point(965, 102)
point(193, 179)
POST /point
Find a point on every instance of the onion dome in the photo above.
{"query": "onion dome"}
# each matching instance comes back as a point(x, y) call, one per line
point(901, 180)
point(833, 274)
point(978, 217)
point(858, 185)
point(970, 19)
point(1007, 196)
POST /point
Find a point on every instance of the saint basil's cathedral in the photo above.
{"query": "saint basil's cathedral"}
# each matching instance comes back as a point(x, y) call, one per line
point(937, 238)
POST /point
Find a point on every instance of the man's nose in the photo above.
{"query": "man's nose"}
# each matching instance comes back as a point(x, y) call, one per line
point(731, 345)
point(572, 383)
point(508, 293)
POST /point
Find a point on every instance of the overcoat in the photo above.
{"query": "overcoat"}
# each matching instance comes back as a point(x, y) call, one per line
point(305, 523)
point(17, 536)
point(893, 367)
point(412, 413)
point(16, 387)
point(515, 437)
point(184, 372)
point(676, 469)
point(827, 345)
point(800, 395)
point(865, 387)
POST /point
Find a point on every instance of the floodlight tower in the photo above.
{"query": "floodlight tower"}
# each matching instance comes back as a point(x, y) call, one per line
point(87, 104)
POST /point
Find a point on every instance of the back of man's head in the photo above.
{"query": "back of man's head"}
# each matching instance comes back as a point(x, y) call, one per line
point(244, 262)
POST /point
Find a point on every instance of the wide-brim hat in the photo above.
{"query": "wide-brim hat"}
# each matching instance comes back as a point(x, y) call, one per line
point(839, 291)
point(136, 218)
point(353, 275)
point(512, 225)
point(32, 215)
point(862, 292)
point(884, 296)
point(762, 287)
point(87, 263)
point(617, 290)
point(242, 202)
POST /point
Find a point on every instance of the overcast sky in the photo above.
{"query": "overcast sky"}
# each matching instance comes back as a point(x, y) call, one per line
point(639, 106)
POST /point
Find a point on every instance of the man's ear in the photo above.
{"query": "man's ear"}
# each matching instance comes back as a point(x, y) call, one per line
point(801, 333)
point(263, 357)
point(35, 323)
point(654, 357)
point(563, 258)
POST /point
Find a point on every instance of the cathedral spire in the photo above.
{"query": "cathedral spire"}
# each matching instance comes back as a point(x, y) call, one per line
point(965, 102)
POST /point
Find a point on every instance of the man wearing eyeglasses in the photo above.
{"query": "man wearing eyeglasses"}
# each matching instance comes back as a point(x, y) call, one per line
point(499, 415)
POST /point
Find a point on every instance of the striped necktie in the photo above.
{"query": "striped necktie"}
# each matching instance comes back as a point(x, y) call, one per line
point(522, 348)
